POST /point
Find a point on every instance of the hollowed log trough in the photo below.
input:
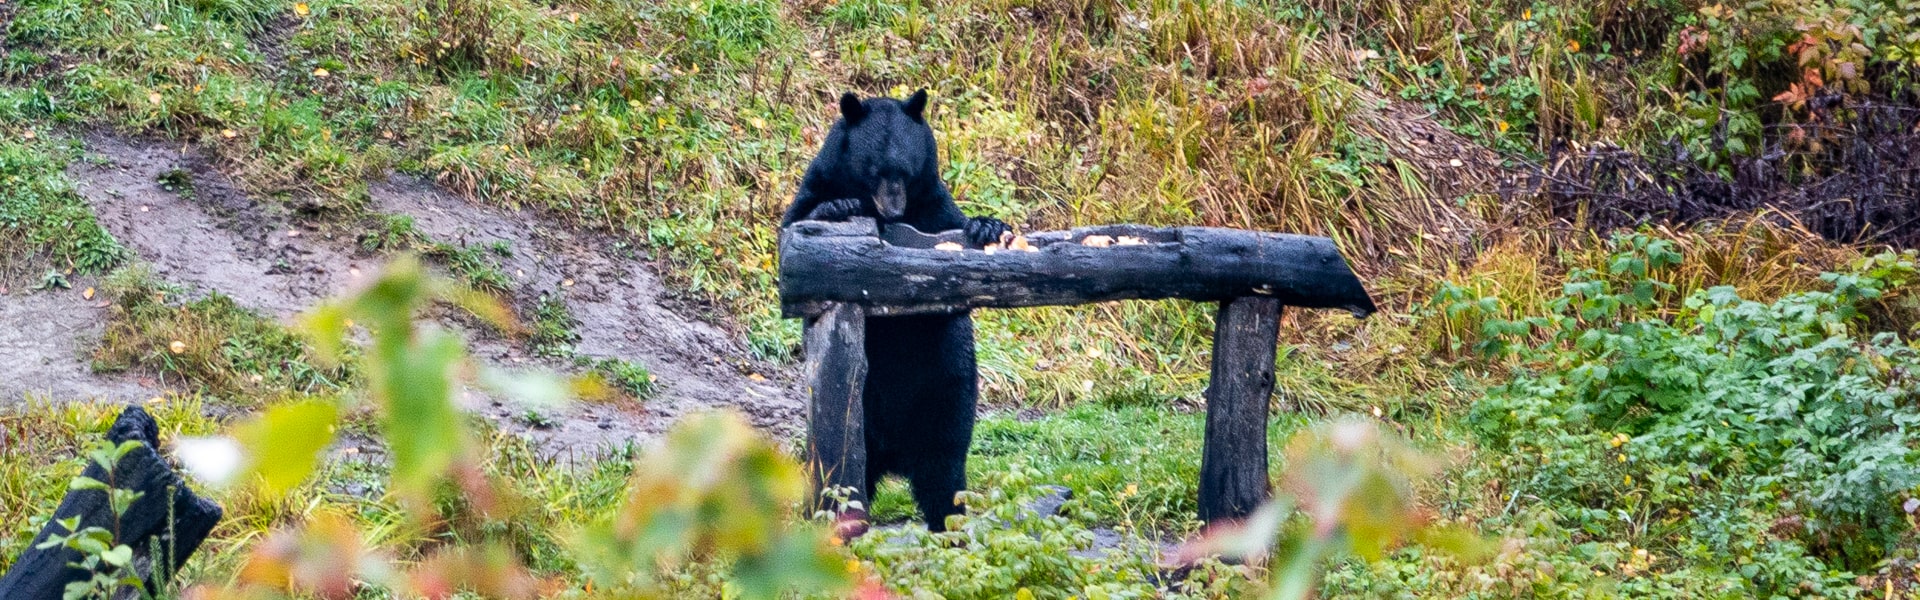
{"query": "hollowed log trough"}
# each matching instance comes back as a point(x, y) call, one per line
point(833, 275)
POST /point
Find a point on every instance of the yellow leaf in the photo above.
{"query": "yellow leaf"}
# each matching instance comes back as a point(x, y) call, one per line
point(320, 73)
point(284, 444)
point(87, 294)
point(177, 347)
point(301, 8)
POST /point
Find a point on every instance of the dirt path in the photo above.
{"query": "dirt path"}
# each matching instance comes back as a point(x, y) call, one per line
point(204, 233)
point(621, 306)
point(45, 341)
point(179, 214)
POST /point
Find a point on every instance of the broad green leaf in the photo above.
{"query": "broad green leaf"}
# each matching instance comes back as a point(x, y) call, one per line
point(119, 556)
point(283, 445)
point(421, 421)
point(83, 482)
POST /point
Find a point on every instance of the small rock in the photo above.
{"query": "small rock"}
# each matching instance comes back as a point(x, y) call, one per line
point(1049, 505)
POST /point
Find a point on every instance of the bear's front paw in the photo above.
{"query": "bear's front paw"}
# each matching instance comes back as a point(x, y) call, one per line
point(836, 210)
point(982, 231)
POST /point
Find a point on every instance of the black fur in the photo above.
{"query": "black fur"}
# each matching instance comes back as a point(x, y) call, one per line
point(880, 161)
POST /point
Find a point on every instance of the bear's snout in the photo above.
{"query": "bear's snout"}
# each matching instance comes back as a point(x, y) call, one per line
point(890, 197)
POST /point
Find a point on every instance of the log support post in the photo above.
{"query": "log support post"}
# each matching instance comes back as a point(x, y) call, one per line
point(1233, 466)
point(163, 527)
point(836, 371)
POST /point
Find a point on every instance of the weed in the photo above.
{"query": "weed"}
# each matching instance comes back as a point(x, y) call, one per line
point(52, 280)
point(999, 549)
point(629, 376)
point(471, 265)
point(178, 181)
point(388, 233)
point(1745, 414)
point(553, 331)
point(536, 419)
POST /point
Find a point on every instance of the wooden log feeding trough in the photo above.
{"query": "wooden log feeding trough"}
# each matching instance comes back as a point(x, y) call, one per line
point(834, 275)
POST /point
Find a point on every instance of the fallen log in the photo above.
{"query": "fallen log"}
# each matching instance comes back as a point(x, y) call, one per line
point(164, 526)
point(902, 273)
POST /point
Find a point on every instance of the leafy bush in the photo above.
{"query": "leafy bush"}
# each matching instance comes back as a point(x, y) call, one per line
point(1002, 549)
point(1731, 60)
point(1772, 442)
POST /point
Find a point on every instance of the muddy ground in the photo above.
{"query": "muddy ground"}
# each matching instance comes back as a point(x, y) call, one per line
point(176, 212)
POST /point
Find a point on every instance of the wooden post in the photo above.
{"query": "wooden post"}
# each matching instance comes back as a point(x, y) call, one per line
point(836, 348)
point(162, 528)
point(1233, 466)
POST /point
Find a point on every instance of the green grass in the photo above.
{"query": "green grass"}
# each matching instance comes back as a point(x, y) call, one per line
point(210, 344)
point(43, 222)
point(474, 265)
point(390, 233)
point(1132, 466)
point(630, 377)
point(552, 328)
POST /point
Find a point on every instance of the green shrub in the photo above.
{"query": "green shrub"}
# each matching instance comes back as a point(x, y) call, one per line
point(1001, 549)
point(1769, 441)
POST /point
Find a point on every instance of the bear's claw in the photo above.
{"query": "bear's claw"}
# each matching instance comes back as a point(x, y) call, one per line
point(836, 210)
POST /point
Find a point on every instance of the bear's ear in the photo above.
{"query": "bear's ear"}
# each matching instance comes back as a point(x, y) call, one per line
point(850, 107)
point(916, 106)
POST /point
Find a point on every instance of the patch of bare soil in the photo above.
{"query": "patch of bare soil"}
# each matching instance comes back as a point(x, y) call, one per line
point(180, 215)
point(196, 229)
point(622, 308)
point(45, 342)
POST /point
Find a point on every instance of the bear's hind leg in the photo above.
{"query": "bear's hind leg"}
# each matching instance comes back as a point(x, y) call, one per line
point(934, 485)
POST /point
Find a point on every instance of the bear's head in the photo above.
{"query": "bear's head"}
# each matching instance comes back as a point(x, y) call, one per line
point(890, 154)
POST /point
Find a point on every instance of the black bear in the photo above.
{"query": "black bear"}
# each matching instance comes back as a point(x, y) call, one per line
point(879, 161)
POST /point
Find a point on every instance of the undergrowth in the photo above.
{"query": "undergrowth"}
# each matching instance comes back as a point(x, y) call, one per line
point(1665, 441)
point(1692, 412)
